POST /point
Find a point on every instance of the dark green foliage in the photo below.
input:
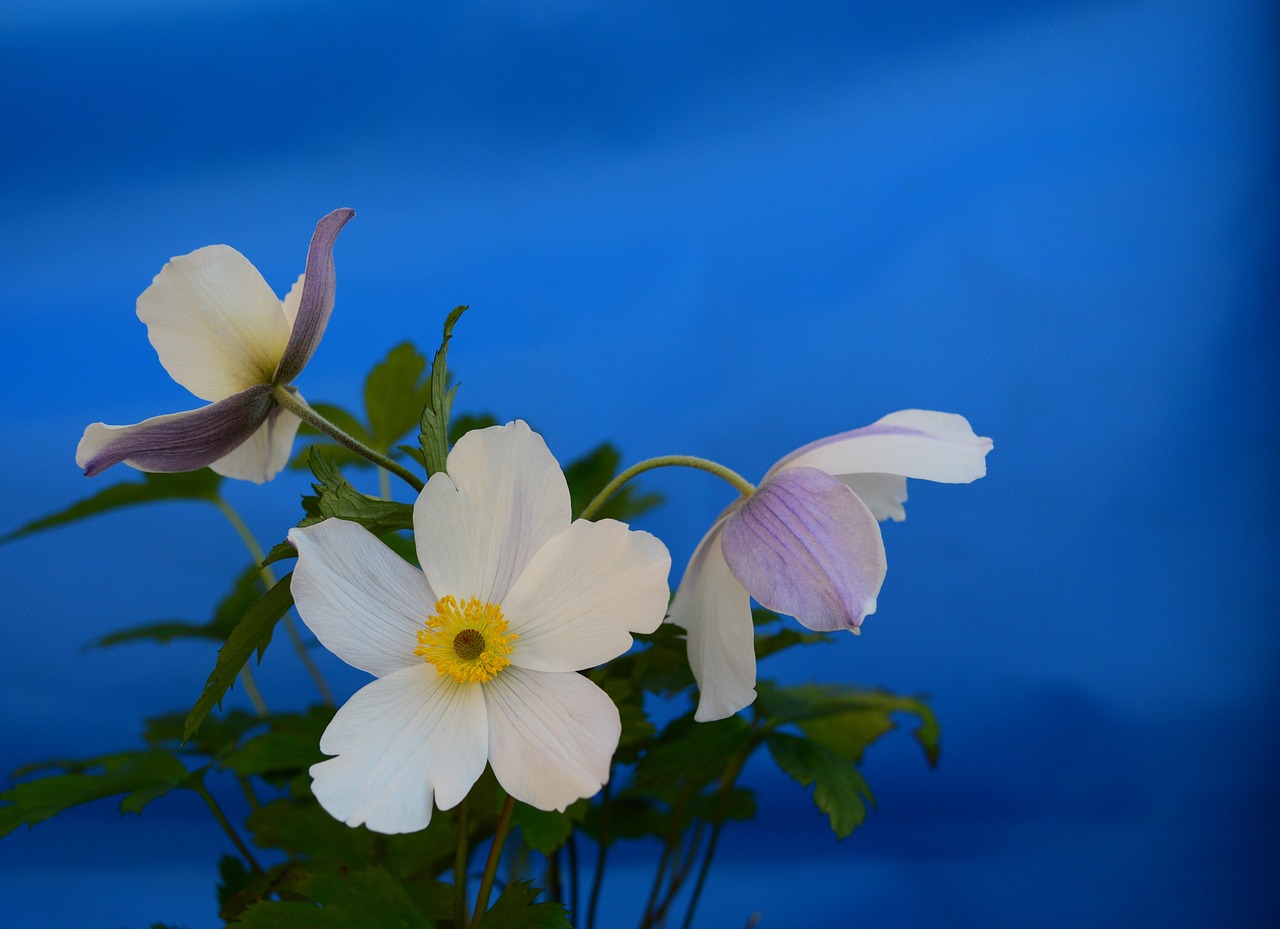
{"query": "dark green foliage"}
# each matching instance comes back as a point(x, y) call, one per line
point(153, 488)
point(515, 909)
point(367, 898)
point(142, 776)
point(288, 747)
point(546, 830)
point(589, 475)
point(840, 791)
point(253, 633)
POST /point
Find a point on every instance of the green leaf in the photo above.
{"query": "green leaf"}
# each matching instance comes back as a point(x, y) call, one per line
point(546, 830)
point(839, 790)
point(786, 637)
point(253, 633)
point(141, 776)
point(434, 437)
point(369, 898)
point(189, 485)
point(691, 752)
point(290, 745)
point(229, 611)
point(336, 498)
point(589, 475)
point(515, 909)
point(462, 424)
point(395, 395)
point(216, 737)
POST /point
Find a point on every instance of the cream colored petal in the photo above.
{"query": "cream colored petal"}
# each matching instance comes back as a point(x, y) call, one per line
point(292, 300)
point(579, 599)
point(883, 494)
point(551, 736)
point(363, 601)
point(478, 524)
point(911, 443)
point(265, 453)
point(216, 325)
point(402, 741)
point(715, 611)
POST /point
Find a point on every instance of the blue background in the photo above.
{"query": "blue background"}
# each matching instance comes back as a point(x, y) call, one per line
point(721, 229)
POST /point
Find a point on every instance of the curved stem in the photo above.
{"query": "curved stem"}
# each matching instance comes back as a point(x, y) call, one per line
point(300, 408)
point(740, 483)
point(225, 823)
point(495, 856)
point(269, 578)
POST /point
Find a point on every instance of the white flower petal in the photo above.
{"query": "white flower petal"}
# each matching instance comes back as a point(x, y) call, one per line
point(292, 300)
point(478, 525)
point(579, 599)
point(715, 611)
point(883, 494)
point(912, 443)
point(363, 601)
point(399, 740)
point(216, 325)
point(551, 736)
point(265, 453)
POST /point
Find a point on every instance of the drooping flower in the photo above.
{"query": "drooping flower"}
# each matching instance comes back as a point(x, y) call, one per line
point(222, 333)
point(807, 543)
point(476, 654)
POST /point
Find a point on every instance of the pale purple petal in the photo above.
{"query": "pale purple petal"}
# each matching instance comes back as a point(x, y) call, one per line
point(911, 443)
point(576, 603)
point(551, 735)
point(715, 611)
point(177, 441)
point(363, 601)
point(805, 545)
point(265, 453)
point(402, 741)
point(316, 303)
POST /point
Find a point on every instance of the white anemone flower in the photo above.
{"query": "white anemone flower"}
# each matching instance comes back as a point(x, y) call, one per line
point(476, 654)
point(222, 333)
point(807, 543)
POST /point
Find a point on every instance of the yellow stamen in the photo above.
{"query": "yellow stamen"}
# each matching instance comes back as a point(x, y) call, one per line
point(468, 641)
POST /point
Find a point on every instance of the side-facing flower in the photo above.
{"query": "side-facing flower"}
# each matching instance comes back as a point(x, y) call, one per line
point(475, 655)
point(807, 543)
point(223, 334)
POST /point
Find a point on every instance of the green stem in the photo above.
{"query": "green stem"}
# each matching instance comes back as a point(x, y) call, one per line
point(670, 844)
point(225, 823)
point(572, 846)
point(251, 689)
point(495, 856)
point(460, 855)
point(726, 784)
point(300, 408)
point(740, 484)
point(269, 578)
point(597, 879)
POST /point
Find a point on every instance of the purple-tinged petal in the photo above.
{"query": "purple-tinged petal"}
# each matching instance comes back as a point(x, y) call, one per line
point(177, 441)
point(319, 284)
point(264, 454)
point(715, 611)
point(911, 443)
point(805, 545)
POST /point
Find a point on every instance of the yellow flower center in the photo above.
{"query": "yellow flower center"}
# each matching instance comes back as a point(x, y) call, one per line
point(469, 640)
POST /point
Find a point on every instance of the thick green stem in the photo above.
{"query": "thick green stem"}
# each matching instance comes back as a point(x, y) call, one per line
point(225, 823)
point(269, 579)
point(495, 856)
point(740, 484)
point(300, 408)
point(460, 854)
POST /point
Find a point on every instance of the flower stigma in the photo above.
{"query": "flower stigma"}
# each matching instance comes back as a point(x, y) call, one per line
point(467, 640)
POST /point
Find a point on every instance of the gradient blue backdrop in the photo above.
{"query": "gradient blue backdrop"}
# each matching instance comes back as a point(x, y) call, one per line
point(721, 229)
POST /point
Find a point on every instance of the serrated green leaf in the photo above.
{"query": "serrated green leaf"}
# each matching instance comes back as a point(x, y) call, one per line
point(515, 909)
point(253, 633)
point(839, 790)
point(369, 898)
point(290, 745)
point(141, 776)
point(233, 606)
point(546, 830)
point(395, 394)
point(336, 498)
point(234, 878)
point(588, 475)
point(691, 752)
point(216, 737)
point(153, 488)
point(434, 437)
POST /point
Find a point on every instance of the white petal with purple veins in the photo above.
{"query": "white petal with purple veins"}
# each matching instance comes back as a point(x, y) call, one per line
point(265, 453)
